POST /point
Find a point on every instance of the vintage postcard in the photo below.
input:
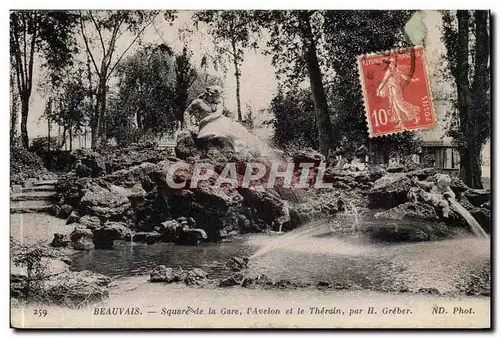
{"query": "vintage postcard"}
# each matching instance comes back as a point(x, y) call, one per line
point(250, 169)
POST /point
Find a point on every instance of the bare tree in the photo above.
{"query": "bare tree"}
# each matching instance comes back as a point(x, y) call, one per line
point(109, 26)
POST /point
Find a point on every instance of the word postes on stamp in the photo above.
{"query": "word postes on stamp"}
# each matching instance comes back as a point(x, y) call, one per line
point(396, 91)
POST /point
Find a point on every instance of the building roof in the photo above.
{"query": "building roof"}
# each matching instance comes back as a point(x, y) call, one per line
point(437, 144)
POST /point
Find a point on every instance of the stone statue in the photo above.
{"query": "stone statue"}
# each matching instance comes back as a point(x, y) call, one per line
point(206, 104)
point(206, 128)
point(436, 193)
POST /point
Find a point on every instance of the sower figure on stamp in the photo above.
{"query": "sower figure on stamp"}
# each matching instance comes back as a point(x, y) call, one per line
point(435, 194)
point(391, 87)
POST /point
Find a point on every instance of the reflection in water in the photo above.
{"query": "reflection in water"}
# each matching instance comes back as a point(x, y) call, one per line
point(128, 259)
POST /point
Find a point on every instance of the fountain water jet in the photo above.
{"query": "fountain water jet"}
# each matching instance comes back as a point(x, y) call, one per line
point(356, 221)
point(291, 236)
point(348, 216)
point(310, 229)
point(475, 227)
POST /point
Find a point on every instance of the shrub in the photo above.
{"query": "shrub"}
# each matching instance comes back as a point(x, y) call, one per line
point(30, 258)
point(22, 160)
point(294, 119)
point(40, 144)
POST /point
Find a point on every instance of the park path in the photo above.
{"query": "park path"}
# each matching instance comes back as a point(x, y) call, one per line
point(33, 197)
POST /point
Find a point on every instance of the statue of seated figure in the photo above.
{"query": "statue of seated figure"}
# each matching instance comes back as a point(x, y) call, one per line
point(210, 129)
point(201, 107)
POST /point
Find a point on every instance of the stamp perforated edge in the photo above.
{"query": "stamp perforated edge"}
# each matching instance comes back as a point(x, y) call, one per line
point(362, 84)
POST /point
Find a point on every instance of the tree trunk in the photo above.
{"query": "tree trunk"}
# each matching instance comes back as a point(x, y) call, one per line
point(93, 129)
point(93, 114)
point(25, 82)
point(13, 107)
point(49, 127)
point(24, 120)
point(70, 139)
point(140, 119)
point(63, 144)
point(59, 145)
point(470, 167)
point(237, 74)
point(93, 135)
point(463, 95)
point(480, 99)
point(102, 112)
point(13, 121)
point(96, 125)
point(182, 98)
point(102, 127)
point(318, 93)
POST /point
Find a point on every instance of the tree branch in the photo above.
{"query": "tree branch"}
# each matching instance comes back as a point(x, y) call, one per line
point(87, 46)
point(123, 31)
point(18, 58)
point(130, 45)
point(112, 45)
point(14, 63)
point(224, 49)
point(32, 53)
point(99, 32)
point(25, 43)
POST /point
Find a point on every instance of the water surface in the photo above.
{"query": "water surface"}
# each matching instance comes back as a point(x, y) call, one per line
point(353, 263)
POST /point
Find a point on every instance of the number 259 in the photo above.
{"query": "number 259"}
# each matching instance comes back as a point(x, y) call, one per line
point(40, 312)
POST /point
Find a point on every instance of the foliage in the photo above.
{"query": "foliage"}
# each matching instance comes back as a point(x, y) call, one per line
point(22, 160)
point(232, 31)
point(52, 33)
point(185, 75)
point(340, 36)
point(228, 25)
point(119, 124)
point(30, 257)
point(285, 45)
point(45, 34)
point(466, 37)
point(482, 116)
point(346, 35)
point(227, 113)
point(147, 92)
point(115, 22)
point(14, 101)
point(71, 107)
point(202, 81)
point(294, 45)
point(294, 119)
point(249, 121)
point(112, 24)
point(41, 144)
point(154, 88)
point(402, 145)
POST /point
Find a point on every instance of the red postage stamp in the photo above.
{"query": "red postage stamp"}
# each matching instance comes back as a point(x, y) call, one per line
point(396, 91)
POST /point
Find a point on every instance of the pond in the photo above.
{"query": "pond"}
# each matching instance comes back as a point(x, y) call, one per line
point(447, 265)
point(132, 259)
